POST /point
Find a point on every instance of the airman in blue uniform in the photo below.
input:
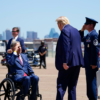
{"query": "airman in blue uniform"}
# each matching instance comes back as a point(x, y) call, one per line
point(91, 58)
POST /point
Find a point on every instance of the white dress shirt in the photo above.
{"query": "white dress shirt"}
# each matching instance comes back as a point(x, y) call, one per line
point(14, 39)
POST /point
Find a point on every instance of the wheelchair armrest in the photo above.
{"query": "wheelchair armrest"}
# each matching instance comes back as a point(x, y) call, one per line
point(11, 75)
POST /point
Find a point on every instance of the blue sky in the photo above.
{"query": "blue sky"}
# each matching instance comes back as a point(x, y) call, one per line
point(40, 15)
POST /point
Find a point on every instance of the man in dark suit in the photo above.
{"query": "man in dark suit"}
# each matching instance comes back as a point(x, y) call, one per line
point(68, 59)
point(22, 71)
point(15, 32)
point(91, 56)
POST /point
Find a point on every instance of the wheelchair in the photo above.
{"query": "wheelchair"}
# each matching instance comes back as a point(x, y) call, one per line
point(9, 89)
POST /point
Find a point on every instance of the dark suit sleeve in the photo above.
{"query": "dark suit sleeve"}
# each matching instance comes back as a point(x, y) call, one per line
point(94, 50)
point(65, 46)
point(22, 45)
point(30, 69)
point(8, 45)
point(10, 58)
point(82, 35)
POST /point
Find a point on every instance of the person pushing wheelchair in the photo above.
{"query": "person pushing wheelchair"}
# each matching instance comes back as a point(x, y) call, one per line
point(18, 64)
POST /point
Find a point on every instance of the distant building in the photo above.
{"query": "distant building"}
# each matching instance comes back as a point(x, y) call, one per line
point(37, 38)
point(52, 31)
point(8, 34)
point(34, 35)
point(31, 36)
point(0, 36)
point(4, 36)
point(28, 40)
point(52, 34)
point(56, 35)
point(46, 36)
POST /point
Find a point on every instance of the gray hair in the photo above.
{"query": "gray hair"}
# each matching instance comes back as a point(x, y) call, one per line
point(13, 44)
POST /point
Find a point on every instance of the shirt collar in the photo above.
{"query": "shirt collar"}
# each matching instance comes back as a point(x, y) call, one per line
point(91, 32)
point(16, 38)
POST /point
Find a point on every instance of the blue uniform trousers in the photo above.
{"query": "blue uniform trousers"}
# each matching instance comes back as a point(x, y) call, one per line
point(67, 78)
point(91, 83)
point(27, 81)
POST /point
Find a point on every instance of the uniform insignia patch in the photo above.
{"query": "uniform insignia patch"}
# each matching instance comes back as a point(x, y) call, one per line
point(88, 40)
point(95, 42)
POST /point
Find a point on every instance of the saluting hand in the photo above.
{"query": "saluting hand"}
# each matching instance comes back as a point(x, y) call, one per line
point(83, 28)
point(9, 51)
point(65, 66)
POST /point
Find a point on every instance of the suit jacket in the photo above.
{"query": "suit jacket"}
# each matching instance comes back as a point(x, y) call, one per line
point(21, 42)
point(68, 48)
point(15, 66)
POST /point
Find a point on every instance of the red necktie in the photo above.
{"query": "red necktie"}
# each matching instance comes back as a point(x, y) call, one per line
point(20, 60)
point(22, 64)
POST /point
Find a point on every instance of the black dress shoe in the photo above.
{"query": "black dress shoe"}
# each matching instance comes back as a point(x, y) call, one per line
point(44, 67)
point(20, 98)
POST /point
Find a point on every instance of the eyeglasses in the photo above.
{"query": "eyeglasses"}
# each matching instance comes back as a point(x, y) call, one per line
point(14, 31)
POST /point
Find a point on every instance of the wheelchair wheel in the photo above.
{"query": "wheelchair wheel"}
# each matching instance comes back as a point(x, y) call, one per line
point(7, 90)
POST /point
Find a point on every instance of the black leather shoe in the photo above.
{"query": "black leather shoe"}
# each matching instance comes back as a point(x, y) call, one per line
point(19, 98)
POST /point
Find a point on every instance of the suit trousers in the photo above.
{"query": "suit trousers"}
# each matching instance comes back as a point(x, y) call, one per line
point(67, 78)
point(27, 81)
point(91, 83)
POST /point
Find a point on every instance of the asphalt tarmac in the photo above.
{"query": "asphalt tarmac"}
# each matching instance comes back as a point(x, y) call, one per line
point(47, 81)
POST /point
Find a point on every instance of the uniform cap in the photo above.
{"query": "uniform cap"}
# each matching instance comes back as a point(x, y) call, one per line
point(42, 41)
point(90, 21)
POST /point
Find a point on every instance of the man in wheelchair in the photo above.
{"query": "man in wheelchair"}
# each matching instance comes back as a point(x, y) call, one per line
point(22, 71)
